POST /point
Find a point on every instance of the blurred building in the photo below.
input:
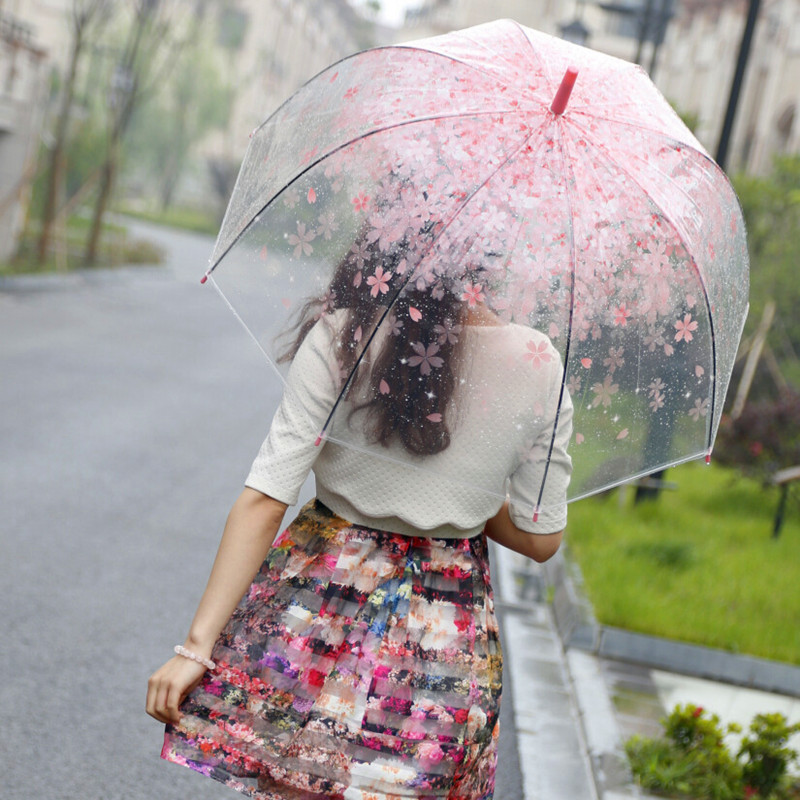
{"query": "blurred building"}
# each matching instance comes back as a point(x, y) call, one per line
point(22, 90)
point(273, 47)
point(689, 47)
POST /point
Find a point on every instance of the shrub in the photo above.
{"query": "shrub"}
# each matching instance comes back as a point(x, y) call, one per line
point(766, 436)
point(692, 760)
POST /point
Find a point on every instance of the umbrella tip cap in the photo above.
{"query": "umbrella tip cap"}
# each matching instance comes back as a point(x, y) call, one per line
point(203, 279)
point(564, 91)
point(708, 457)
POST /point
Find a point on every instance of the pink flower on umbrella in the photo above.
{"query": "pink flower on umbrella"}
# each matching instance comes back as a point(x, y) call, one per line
point(425, 357)
point(393, 325)
point(328, 225)
point(657, 401)
point(684, 328)
point(603, 391)
point(379, 282)
point(300, 241)
point(621, 314)
point(700, 409)
point(537, 354)
point(360, 201)
point(614, 359)
point(447, 332)
point(655, 387)
point(473, 294)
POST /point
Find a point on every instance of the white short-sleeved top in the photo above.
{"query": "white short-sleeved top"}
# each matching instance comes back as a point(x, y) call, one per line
point(499, 443)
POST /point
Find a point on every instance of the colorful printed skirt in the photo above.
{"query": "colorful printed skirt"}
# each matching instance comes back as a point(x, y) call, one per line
point(361, 665)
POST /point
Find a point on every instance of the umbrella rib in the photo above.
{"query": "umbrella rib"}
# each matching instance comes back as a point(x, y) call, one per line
point(682, 237)
point(402, 286)
point(338, 148)
point(570, 320)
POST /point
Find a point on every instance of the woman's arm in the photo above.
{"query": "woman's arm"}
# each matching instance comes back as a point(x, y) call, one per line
point(538, 546)
point(251, 528)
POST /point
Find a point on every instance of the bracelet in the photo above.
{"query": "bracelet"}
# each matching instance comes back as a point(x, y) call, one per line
point(206, 662)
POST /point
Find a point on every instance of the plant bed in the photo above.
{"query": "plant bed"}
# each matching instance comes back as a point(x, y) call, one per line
point(698, 565)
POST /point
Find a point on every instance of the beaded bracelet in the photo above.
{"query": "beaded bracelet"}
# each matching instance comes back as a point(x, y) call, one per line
point(206, 662)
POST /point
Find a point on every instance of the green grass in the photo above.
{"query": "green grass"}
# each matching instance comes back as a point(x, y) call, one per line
point(116, 248)
point(698, 565)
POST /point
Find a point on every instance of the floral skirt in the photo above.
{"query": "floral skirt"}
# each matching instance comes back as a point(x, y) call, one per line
point(361, 665)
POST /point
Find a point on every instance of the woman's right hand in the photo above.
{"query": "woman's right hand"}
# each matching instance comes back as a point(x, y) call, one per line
point(169, 685)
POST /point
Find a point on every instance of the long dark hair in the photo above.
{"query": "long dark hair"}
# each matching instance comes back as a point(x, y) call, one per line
point(411, 404)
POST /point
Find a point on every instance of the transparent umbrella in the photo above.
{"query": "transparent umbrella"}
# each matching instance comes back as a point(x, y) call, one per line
point(501, 175)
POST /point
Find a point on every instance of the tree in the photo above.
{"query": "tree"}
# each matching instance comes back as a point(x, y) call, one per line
point(86, 20)
point(194, 101)
point(148, 50)
point(771, 208)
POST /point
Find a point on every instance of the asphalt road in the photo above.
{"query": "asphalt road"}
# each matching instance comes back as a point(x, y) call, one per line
point(131, 405)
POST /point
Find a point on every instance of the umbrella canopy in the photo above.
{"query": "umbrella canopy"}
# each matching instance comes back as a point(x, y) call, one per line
point(461, 167)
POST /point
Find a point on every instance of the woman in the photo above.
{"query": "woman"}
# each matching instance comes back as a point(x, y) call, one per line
point(356, 656)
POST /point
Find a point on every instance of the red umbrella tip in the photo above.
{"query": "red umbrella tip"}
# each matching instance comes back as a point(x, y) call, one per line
point(708, 457)
point(203, 279)
point(319, 439)
point(564, 91)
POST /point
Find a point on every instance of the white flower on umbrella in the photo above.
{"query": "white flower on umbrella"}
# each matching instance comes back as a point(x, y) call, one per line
point(603, 391)
point(300, 240)
point(425, 357)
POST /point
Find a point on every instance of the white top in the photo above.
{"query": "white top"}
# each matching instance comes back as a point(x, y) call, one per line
point(499, 443)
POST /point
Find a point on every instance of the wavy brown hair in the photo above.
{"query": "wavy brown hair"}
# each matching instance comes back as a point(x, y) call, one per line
point(417, 410)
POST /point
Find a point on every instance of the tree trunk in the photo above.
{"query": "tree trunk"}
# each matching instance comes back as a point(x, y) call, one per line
point(56, 163)
point(107, 175)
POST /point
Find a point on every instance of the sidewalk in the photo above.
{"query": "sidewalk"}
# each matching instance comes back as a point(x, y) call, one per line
point(573, 709)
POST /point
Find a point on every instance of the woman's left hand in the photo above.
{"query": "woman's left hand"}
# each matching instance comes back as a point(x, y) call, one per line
point(169, 685)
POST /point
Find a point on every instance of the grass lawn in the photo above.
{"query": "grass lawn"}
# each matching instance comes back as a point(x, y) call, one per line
point(698, 564)
point(185, 218)
point(116, 248)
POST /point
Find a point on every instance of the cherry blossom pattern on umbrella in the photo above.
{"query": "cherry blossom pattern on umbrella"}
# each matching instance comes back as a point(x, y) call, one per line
point(440, 167)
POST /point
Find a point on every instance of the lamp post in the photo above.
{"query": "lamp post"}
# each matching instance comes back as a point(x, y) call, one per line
point(575, 32)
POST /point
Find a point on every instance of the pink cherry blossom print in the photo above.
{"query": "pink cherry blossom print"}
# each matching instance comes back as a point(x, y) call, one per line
point(537, 354)
point(262, 254)
point(327, 225)
point(357, 334)
point(436, 417)
point(311, 197)
point(586, 363)
point(447, 332)
point(614, 359)
point(579, 438)
point(656, 401)
point(351, 93)
point(473, 294)
point(425, 357)
point(684, 328)
point(394, 326)
point(623, 434)
point(383, 386)
point(700, 409)
point(621, 314)
point(414, 313)
point(603, 392)
point(379, 282)
point(301, 241)
point(286, 302)
point(360, 201)
point(357, 278)
point(699, 371)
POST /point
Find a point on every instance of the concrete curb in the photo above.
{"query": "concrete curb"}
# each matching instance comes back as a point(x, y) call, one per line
point(579, 629)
